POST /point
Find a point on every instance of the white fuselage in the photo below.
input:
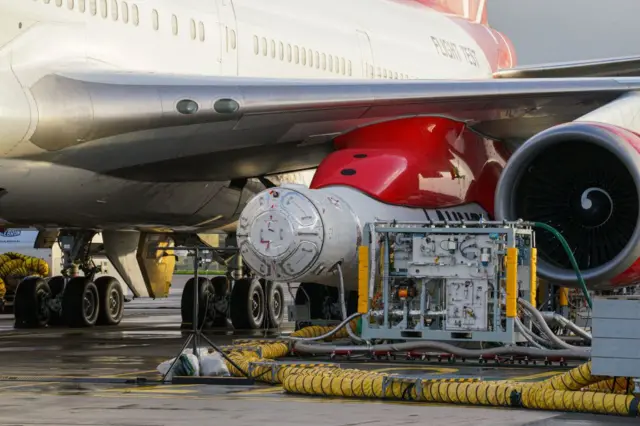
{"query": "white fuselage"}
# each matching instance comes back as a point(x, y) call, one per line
point(371, 39)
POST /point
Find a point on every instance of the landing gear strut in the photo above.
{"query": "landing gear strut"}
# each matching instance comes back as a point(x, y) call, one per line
point(77, 301)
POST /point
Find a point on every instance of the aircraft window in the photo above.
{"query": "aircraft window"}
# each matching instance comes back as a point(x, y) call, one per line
point(234, 40)
point(155, 20)
point(114, 9)
point(256, 45)
point(125, 12)
point(193, 29)
point(330, 66)
point(136, 15)
point(82, 5)
point(349, 69)
point(378, 73)
point(201, 29)
point(174, 24)
point(395, 75)
point(103, 8)
point(273, 48)
point(47, 1)
point(264, 46)
point(384, 73)
point(58, 3)
point(317, 59)
point(342, 68)
point(70, 4)
point(310, 58)
point(324, 61)
point(281, 51)
point(296, 54)
point(371, 74)
point(289, 52)
point(93, 7)
point(303, 56)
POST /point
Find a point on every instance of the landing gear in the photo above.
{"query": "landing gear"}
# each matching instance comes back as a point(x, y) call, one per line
point(72, 300)
point(251, 304)
point(247, 304)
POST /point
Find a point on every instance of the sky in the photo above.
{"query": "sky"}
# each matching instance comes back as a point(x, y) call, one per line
point(568, 30)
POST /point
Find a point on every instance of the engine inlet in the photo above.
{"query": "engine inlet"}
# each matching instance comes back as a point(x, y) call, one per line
point(581, 179)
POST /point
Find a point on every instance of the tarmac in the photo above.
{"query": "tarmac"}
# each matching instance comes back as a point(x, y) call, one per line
point(107, 376)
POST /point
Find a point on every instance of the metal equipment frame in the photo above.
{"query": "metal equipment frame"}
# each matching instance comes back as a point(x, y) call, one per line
point(195, 334)
point(371, 234)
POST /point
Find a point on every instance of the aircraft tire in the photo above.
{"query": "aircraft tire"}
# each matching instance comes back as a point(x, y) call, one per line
point(30, 310)
point(205, 291)
point(247, 304)
point(80, 303)
point(111, 301)
point(275, 304)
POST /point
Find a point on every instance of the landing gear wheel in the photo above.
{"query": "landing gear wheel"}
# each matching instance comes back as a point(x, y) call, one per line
point(205, 296)
point(30, 304)
point(275, 304)
point(247, 304)
point(111, 301)
point(80, 303)
point(220, 288)
point(56, 284)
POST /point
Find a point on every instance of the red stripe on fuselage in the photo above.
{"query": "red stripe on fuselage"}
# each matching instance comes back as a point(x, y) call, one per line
point(497, 48)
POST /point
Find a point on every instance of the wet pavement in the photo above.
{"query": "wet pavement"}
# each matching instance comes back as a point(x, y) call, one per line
point(106, 376)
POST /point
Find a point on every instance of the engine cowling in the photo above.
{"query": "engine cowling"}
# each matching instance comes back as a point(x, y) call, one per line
point(582, 178)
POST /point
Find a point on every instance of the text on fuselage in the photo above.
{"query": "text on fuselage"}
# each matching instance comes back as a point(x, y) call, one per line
point(454, 51)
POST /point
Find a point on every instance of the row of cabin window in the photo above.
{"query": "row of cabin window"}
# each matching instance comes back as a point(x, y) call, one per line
point(123, 11)
point(93, 9)
point(385, 73)
point(301, 55)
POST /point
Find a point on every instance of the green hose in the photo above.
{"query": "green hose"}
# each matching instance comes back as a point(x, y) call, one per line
point(572, 259)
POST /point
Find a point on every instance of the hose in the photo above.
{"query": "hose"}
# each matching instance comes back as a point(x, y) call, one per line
point(545, 328)
point(572, 259)
point(317, 332)
point(527, 334)
point(552, 316)
point(560, 393)
point(343, 306)
point(14, 264)
point(445, 347)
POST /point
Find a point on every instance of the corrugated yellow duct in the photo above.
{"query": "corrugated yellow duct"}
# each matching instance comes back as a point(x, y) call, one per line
point(18, 265)
point(560, 393)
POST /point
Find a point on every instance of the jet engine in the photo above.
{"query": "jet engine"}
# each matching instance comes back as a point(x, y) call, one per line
point(582, 178)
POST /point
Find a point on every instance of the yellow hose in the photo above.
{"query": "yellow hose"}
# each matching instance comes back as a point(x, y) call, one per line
point(618, 385)
point(559, 393)
point(18, 265)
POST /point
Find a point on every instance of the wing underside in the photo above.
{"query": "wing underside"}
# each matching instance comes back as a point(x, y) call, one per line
point(120, 123)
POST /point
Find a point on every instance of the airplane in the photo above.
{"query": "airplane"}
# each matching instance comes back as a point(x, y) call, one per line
point(155, 122)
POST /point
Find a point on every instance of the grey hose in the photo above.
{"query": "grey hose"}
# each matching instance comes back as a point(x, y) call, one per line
point(330, 333)
point(343, 306)
point(527, 334)
point(445, 347)
point(545, 328)
point(552, 316)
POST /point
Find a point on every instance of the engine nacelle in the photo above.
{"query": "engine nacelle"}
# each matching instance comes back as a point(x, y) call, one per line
point(582, 178)
point(296, 234)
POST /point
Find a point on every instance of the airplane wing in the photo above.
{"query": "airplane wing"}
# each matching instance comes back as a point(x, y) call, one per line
point(628, 66)
point(132, 125)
